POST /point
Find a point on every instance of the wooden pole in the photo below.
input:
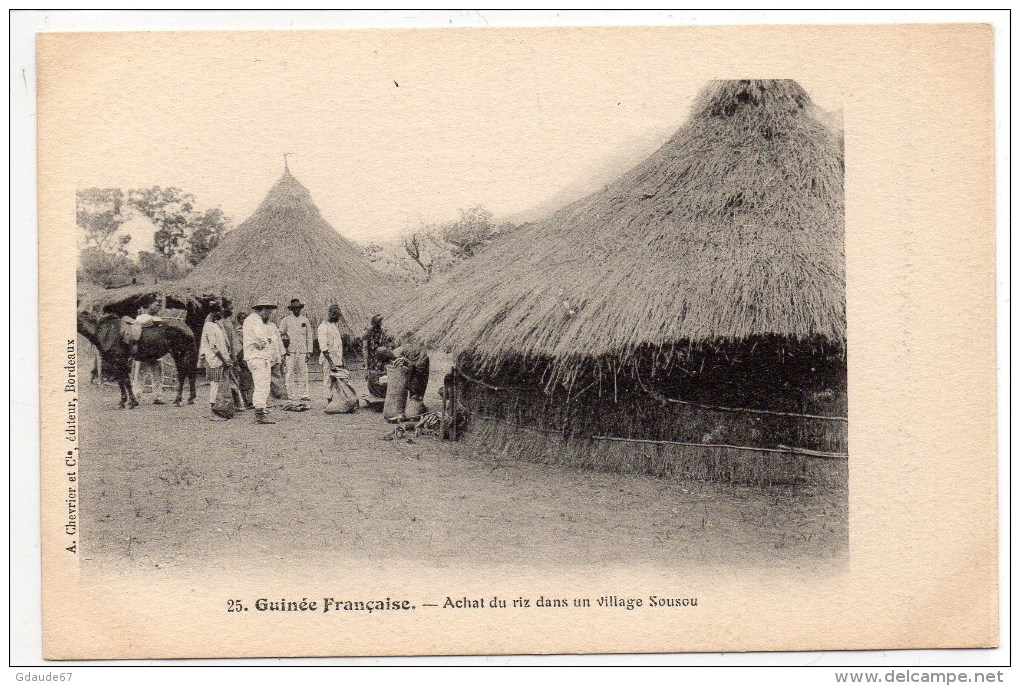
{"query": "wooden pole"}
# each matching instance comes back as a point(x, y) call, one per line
point(446, 415)
point(454, 401)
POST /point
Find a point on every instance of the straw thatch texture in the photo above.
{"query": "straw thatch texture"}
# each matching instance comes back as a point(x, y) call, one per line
point(131, 297)
point(733, 229)
point(287, 250)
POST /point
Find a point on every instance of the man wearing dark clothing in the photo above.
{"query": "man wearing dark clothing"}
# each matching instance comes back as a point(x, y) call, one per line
point(376, 345)
point(245, 382)
point(374, 339)
point(418, 375)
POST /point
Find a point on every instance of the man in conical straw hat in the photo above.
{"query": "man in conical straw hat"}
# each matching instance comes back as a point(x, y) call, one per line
point(258, 355)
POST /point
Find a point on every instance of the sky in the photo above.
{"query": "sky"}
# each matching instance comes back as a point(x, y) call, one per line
point(390, 128)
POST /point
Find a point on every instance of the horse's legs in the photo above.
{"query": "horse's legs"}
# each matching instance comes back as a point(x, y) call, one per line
point(123, 391)
point(185, 365)
point(180, 387)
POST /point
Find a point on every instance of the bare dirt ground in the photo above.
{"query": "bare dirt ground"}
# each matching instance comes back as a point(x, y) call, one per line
point(164, 487)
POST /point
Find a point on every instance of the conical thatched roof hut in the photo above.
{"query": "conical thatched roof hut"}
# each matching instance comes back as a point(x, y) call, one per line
point(687, 318)
point(287, 250)
point(734, 228)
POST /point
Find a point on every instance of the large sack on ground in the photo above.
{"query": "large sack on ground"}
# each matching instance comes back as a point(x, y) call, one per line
point(415, 408)
point(396, 391)
point(224, 405)
point(342, 397)
point(277, 384)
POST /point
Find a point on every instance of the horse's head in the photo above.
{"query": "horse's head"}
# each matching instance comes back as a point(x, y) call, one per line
point(87, 322)
point(88, 325)
point(102, 330)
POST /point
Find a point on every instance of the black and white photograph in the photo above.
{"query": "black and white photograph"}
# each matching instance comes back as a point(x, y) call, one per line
point(481, 333)
point(663, 359)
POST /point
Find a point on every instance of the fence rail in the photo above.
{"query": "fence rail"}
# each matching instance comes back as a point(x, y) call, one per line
point(782, 449)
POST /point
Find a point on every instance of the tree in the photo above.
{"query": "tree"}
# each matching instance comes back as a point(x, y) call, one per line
point(471, 232)
point(431, 249)
point(100, 214)
point(182, 232)
point(160, 266)
point(413, 246)
point(170, 209)
point(95, 265)
point(208, 229)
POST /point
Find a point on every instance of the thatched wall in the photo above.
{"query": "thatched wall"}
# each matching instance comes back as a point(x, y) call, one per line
point(717, 396)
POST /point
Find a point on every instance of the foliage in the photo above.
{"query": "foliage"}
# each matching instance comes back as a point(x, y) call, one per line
point(472, 231)
point(183, 237)
point(182, 232)
point(160, 266)
point(170, 209)
point(99, 214)
point(98, 266)
point(433, 248)
point(208, 230)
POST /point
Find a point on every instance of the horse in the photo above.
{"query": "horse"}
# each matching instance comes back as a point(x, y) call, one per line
point(157, 340)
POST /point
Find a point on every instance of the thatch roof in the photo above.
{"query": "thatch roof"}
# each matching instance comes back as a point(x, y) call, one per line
point(733, 229)
point(287, 250)
point(91, 296)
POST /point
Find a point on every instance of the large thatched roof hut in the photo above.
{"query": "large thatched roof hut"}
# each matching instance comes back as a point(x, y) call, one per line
point(712, 274)
point(287, 250)
point(733, 228)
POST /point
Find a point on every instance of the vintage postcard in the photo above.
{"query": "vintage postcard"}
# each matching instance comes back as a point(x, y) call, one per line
point(517, 341)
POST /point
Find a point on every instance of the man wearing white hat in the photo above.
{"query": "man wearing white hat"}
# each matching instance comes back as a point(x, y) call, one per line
point(258, 355)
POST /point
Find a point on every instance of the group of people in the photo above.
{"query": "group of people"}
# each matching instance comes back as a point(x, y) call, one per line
point(381, 350)
point(260, 358)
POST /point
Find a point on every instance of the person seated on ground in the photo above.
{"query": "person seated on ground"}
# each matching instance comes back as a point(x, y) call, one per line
point(384, 356)
point(377, 377)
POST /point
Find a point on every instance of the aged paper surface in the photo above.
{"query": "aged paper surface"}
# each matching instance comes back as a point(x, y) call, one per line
point(920, 565)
